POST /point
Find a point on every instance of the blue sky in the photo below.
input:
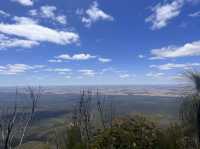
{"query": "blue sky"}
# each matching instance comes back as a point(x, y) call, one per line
point(76, 42)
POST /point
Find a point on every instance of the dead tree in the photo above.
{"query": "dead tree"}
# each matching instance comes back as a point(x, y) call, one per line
point(15, 122)
point(82, 116)
point(106, 110)
point(86, 111)
point(101, 108)
point(34, 97)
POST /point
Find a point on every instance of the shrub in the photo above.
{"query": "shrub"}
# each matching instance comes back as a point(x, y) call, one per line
point(173, 137)
point(133, 133)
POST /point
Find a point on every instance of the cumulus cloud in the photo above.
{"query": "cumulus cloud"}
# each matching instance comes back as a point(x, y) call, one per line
point(13, 69)
point(141, 56)
point(94, 14)
point(105, 70)
point(87, 72)
point(188, 49)
point(154, 74)
point(49, 12)
point(162, 14)
point(104, 60)
point(33, 12)
point(170, 66)
point(24, 2)
point(124, 76)
point(7, 42)
point(4, 14)
point(77, 57)
point(195, 14)
point(55, 61)
point(60, 70)
point(179, 77)
point(24, 20)
point(31, 30)
point(61, 19)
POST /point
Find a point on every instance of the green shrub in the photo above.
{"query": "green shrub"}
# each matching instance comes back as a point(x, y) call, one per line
point(173, 137)
point(74, 140)
point(140, 133)
point(133, 133)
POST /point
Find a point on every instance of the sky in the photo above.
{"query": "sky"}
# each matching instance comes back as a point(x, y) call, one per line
point(98, 42)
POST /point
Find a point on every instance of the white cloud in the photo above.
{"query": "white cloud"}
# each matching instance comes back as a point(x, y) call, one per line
point(82, 57)
point(179, 77)
point(24, 2)
point(64, 57)
point(79, 12)
point(55, 61)
point(33, 12)
point(154, 75)
point(188, 49)
point(49, 12)
point(31, 30)
point(62, 70)
point(61, 19)
point(88, 72)
point(4, 14)
point(77, 57)
point(116, 72)
point(162, 14)
point(170, 66)
point(94, 14)
point(58, 70)
point(7, 42)
point(24, 20)
point(195, 14)
point(141, 56)
point(105, 70)
point(13, 69)
point(124, 76)
point(104, 60)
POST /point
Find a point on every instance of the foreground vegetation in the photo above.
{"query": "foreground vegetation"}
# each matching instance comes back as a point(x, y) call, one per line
point(95, 125)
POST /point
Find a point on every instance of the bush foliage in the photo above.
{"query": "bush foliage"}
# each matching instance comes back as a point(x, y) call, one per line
point(138, 132)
